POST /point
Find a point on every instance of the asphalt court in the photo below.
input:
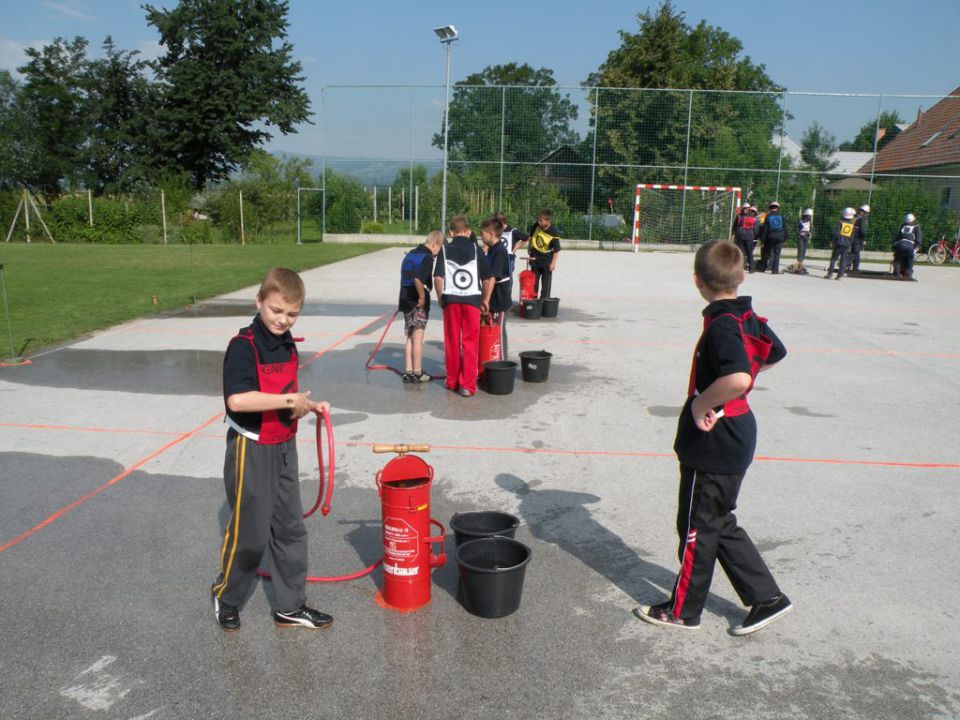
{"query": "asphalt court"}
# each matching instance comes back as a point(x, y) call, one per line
point(111, 452)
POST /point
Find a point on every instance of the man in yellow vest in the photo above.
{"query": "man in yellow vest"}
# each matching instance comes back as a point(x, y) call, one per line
point(842, 238)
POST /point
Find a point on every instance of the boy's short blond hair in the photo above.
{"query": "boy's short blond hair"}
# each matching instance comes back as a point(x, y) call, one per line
point(285, 282)
point(435, 237)
point(459, 224)
point(719, 265)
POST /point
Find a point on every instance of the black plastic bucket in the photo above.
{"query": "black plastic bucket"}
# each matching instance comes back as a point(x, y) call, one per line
point(485, 523)
point(535, 365)
point(491, 575)
point(551, 306)
point(531, 309)
point(499, 376)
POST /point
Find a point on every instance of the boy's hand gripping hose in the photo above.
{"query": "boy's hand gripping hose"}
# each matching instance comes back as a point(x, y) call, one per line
point(323, 502)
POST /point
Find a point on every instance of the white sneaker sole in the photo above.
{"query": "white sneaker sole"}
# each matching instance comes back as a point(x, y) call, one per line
point(294, 623)
point(740, 630)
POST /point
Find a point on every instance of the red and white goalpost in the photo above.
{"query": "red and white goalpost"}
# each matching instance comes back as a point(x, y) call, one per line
point(734, 193)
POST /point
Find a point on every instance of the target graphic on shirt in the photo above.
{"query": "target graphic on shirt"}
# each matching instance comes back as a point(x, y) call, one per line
point(461, 280)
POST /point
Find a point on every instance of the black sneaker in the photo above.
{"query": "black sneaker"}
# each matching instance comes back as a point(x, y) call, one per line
point(662, 615)
point(303, 616)
point(409, 377)
point(421, 377)
point(464, 392)
point(228, 617)
point(763, 614)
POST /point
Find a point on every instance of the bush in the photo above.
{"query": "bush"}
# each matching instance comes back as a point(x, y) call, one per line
point(373, 227)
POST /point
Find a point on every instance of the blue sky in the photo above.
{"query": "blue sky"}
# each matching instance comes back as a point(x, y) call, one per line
point(839, 46)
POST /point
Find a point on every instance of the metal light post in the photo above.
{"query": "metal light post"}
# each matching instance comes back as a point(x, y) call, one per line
point(448, 35)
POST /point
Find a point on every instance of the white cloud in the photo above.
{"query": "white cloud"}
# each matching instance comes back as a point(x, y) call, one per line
point(72, 9)
point(12, 52)
point(149, 50)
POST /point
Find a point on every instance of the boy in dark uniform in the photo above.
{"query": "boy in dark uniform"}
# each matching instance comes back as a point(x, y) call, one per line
point(859, 236)
point(260, 470)
point(773, 234)
point(499, 262)
point(842, 237)
point(716, 438)
point(906, 245)
point(463, 285)
point(544, 250)
point(745, 233)
point(416, 277)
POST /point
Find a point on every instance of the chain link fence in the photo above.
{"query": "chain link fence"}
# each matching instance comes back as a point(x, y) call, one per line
point(582, 151)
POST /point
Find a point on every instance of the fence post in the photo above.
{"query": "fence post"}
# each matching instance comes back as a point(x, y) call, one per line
point(90, 207)
point(686, 163)
point(243, 240)
point(416, 207)
point(323, 170)
point(163, 215)
point(503, 121)
point(593, 164)
point(876, 133)
point(783, 131)
point(299, 238)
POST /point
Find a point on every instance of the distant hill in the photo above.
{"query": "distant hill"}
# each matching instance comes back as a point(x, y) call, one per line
point(367, 171)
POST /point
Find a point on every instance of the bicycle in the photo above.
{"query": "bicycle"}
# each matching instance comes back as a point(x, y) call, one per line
point(941, 250)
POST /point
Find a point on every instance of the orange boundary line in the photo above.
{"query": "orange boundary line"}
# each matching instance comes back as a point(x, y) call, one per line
point(317, 355)
point(113, 481)
point(139, 463)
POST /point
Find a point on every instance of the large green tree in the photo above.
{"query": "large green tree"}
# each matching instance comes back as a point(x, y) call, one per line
point(817, 147)
point(52, 127)
point(641, 125)
point(119, 105)
point(226, 75)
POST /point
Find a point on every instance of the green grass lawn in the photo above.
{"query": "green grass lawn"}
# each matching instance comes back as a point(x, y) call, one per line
point(59, 292)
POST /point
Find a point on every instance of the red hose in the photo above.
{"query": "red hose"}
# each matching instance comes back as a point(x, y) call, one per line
point(368, 364)
point(323, 501)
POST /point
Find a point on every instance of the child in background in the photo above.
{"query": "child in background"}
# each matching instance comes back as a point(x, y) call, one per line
point(544, 250)
point(842, 237)
point(416, 277)
point(260, 471)
point(804, 233)
point(716, 438)
point(499, 262)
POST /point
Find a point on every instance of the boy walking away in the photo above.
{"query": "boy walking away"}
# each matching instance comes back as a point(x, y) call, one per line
point(905, 247)
point(416, 277)
point(804, 233)
point(859, 236)
point(842, 237)
point(544, 251)
point(745, 233)
point(499, 263)
point(773, 234)
point(260, 470)
point(463, 285)
point(716, 438)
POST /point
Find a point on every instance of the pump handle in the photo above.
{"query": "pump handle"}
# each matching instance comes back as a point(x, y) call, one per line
point(401, 449)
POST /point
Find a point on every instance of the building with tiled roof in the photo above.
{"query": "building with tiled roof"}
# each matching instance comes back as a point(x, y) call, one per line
point(930, 147)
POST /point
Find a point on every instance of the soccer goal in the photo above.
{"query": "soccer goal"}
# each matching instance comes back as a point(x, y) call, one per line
point(683, 214)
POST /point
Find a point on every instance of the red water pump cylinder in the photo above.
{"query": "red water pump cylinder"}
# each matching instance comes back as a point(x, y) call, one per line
point(528, 284)
point(489, 347)
point(404, 487)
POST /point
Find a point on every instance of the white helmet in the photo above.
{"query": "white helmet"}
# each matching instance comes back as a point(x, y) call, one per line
point(865, 208)
point(807, 212)
point(848, 213)
point(909, 218)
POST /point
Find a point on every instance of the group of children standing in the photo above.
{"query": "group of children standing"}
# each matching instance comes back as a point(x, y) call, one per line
point(715, 440)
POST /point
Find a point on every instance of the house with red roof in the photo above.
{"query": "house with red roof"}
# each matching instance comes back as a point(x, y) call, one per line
point(929, 148)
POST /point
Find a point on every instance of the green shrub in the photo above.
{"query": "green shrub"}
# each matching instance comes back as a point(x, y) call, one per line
point(373, 227)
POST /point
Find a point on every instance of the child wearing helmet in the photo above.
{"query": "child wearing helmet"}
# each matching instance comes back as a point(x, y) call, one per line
point(804, 232)
point(905, 247)
point(745, 229)
point(859, 236)
point(773, 234)
point(842, 237)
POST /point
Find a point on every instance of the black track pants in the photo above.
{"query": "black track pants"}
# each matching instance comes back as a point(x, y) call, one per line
point(708, 534)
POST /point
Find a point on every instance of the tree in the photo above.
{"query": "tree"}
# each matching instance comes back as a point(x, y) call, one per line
point(119, 106)
point(52, 100)
point(817, 147)
point(863, 140)
point(640, 122)
point(225, 76)
point(11, 123)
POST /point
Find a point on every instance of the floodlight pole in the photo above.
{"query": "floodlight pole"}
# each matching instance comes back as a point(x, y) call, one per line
point(447, 40)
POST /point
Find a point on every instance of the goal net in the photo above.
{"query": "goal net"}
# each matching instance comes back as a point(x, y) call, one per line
point(683, 214)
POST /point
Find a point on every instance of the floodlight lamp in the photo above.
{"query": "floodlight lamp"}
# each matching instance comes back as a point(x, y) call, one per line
point(447, 33)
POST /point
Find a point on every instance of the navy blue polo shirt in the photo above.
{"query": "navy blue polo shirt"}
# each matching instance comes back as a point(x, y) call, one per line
point(728, 448)
point(240, 367)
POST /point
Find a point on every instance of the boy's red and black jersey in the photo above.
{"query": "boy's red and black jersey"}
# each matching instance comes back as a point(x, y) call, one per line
point(729, 446)
point(240, 369)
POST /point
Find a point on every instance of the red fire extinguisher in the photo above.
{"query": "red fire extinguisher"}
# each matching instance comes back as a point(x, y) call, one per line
point(404, 487)
point(528, 284)
point(489, 348)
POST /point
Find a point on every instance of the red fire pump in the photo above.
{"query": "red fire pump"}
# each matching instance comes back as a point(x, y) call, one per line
point(489, 347)
point(528, 284)
point(404, 487)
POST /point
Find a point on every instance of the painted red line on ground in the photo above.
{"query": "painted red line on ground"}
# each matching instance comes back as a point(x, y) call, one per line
point(80, 428)
point(113, 481)
point(346, 337)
